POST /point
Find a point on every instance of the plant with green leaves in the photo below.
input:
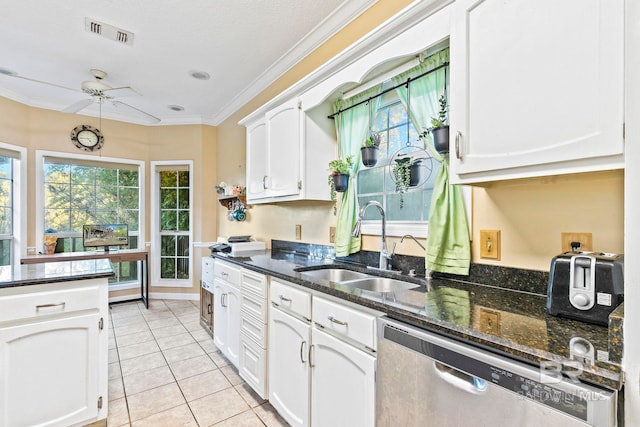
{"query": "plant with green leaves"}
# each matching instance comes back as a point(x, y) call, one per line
point(441, 120)
point(373, 140)
point(338, 167)
point(402, 175)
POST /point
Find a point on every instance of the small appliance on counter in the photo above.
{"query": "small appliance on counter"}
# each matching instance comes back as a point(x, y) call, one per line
point(585, 286)
point(237, 245)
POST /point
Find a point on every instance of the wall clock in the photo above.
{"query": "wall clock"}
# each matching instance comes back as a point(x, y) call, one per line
point(87, 138)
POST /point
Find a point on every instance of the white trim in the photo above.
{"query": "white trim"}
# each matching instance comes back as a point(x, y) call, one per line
point(39, 190)
point(19, 203)
point(155, 225)
point(124, 286)
point(162, 295)
point(396, 228)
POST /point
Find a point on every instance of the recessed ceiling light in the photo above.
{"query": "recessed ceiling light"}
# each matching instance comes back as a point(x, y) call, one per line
point(176, 107)
point(200, 75)
point(7, 72)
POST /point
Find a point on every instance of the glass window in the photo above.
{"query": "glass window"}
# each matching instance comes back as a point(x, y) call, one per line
point(78, 193)
point(399, 142)
point(6, 210)
point(174, 223)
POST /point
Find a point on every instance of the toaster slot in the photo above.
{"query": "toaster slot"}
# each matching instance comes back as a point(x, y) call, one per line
point(582, 281)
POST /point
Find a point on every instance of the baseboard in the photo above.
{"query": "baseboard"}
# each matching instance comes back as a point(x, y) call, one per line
point(166, 295)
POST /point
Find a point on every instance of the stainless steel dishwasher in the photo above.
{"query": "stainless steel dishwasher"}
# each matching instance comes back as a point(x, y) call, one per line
point(424, 379)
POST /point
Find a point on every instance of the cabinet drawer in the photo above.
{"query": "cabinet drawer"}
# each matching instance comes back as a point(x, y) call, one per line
point(208, 269)
point(290, 299)
point(253, 328)
point(227, 272)
point(21, 306)
point(257, 306)
point(253, 365)
point(345, 321)
point(254, 283)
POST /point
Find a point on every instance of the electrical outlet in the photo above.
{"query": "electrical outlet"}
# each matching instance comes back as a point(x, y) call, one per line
point(332, 234)
point(585, 240)
point(490, 244)
point(298, 232)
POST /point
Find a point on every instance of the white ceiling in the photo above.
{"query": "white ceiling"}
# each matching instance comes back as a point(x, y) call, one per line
point(243, 44)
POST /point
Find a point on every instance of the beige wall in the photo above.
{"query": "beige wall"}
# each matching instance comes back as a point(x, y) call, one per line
point(40, 129)
point(531, 214)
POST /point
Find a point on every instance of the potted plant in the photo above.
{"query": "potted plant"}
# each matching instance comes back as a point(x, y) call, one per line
point(406, 173)
point(220, 188)
point(439, 128)
point(369, 150)
point(338, 179)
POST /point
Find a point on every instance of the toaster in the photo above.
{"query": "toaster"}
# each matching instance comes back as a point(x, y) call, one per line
point(585, 286)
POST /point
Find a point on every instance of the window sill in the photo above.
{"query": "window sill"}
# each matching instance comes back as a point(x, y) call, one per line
point(396, 228)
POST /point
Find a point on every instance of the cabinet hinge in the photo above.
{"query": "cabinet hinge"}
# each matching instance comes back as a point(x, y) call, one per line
point(101, 323)
point(100, 402)
point(300, 185)
point(299, 105)
point(624, 131)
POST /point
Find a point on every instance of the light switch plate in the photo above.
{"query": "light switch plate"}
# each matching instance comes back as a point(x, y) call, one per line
point(298, 232)
point(490, 244)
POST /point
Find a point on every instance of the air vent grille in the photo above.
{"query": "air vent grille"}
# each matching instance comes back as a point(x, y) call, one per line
point(108, 31)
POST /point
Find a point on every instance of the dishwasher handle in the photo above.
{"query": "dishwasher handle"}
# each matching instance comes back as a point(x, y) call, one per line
point(459, 379)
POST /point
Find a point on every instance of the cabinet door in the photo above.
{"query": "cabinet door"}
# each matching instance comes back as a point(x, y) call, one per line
point(44, 360)
point(257, 160)
point(220, 315)
point(537, 87)
point(284, 140)
point(288, 367)
point(342, 383)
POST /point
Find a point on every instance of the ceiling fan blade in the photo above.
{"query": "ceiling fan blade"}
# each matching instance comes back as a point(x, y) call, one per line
point(18, 76)
point(151, 118)
point(120, 92)
point(74, 108)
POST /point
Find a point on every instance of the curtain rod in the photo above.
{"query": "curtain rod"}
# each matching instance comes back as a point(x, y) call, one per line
point(409, 80)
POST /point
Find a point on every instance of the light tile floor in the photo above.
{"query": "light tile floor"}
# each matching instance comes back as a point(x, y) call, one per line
point(164, 370)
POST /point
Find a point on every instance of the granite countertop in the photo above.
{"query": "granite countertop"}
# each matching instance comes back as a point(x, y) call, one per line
point(506, 321)
point(51, 272)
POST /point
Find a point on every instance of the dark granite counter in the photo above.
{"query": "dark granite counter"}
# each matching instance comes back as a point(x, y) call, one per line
point(52, 272)
point(504, 320)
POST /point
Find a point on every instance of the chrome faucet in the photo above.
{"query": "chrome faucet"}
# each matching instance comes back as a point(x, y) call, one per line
point(385, 255)
point(414, 239)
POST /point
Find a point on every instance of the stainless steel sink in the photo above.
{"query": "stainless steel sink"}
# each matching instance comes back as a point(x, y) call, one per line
point(335, 274)
point(380, 284)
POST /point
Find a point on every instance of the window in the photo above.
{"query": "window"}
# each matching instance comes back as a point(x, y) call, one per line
point(12, 202)
point(173, 222)
point(407, 212)
point(81, 190)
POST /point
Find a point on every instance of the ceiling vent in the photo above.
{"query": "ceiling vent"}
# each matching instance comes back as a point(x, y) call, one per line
point(108, 31)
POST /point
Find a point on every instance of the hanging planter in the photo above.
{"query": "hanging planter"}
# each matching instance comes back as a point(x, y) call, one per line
point(441, 139)
point(369, 150)
point(415, 175)
point(338, 179)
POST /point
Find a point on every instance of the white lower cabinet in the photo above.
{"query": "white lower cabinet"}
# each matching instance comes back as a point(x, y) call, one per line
point(320, 376)
point(53, 354)
point(342, 383)
point(289, 367)
point(226, 320)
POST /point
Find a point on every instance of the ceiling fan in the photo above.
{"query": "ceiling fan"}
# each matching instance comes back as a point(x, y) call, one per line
point(98, 92)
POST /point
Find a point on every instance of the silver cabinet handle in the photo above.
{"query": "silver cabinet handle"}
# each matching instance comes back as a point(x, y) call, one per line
point(458, 137)
point(336, 321)
point(302, 344)
point(311, 365)
point(284, 299)
point(222, 298)
point(264, 182)
point(209, 309)
point(57, 304)
point(224, 274)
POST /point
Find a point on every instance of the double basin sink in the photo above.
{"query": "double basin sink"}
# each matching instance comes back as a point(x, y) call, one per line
point(356, 280)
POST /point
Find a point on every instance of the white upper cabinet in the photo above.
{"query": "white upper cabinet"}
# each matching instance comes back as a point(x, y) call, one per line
point(536, 88)
point(256, 159)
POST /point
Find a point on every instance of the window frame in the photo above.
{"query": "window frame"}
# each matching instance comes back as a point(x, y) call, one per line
point(19, 202)
point(41, 155)
point(156, 166)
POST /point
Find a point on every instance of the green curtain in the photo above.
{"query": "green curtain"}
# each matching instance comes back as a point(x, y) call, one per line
point(448, 241)
point(352, 128)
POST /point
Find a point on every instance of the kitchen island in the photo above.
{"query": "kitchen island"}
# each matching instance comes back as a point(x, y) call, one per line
point(506, 321)
point(53, 343)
